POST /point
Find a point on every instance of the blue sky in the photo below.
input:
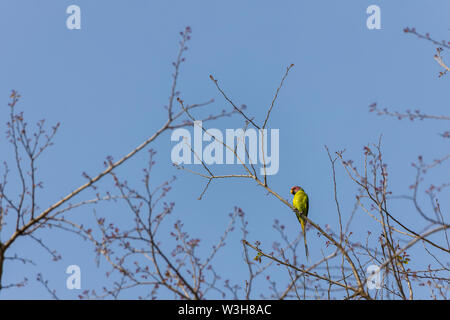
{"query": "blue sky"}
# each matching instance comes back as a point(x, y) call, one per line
point(107, 83)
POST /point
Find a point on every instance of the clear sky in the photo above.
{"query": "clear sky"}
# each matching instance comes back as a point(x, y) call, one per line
point(107, 84)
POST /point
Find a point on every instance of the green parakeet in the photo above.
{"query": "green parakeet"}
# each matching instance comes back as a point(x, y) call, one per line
point(301, 203)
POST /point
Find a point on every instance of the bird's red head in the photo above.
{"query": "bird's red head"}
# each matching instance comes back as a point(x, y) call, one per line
point(295, 189)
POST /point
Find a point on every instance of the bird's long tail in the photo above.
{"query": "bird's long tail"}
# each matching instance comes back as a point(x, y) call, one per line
point(303, 222)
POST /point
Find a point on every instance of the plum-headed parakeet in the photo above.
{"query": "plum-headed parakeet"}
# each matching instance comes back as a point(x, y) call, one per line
point(301, 203)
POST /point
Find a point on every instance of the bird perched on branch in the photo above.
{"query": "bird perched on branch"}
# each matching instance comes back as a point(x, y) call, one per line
point(301, 203)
